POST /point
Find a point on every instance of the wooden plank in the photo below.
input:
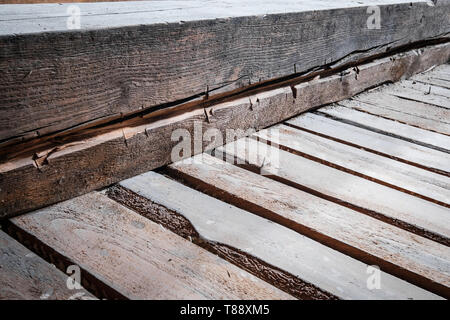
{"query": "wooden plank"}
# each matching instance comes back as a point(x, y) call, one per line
point(408, 212)
point(424, 88)
point(383, 170)
point(437, 76)
point(278, 246)
point(415, 95)
point(131, 56)
point(414, 113)
point(108, 155)
point(399, 149)
point(401, 253)
point(26, 276)
point(430, 79)
point(442, 72)
point(398, 130)
point(137, 256)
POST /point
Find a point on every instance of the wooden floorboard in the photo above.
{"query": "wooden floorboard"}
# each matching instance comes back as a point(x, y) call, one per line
point(351, 232)
point(137, 257)
point(415, 95)
point(405, 151)
point(276, 245)
point(355, 192)
point(383, 170)
point(420, 115)
point(26, 276)
point(301, 209)
point(129, 56)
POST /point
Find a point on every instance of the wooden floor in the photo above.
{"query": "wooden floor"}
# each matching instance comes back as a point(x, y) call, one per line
point(350, 201)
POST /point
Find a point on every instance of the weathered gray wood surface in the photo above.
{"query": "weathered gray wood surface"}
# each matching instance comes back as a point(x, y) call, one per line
point(276, 245)
point(425, 263)
point(134, 55)
point(369, 197)
point(26, 276)
point(91, 163)
point(427, 96)
point(380, 169)
point(137, 257)
point(402, 131)
point(414, 113)
point(389, 146)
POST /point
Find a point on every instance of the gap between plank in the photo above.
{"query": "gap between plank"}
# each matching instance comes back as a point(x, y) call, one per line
point(344, 169)
point(181, 226)
point(374, 214)
point(388, 118)
point(90, 282)
point(354, 252)
point(389, 134)
point(441, 172)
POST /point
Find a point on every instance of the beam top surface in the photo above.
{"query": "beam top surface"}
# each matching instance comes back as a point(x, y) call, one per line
point(18, 19)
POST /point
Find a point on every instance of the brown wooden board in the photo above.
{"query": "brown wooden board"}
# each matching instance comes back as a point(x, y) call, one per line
point(129, 56)
point(421, 115)
point(65, 169)
point(26, 276)
point(408, 152)
point(382, 170)
point(413, 214)
point(418, 260)
point(137, 257)
point(278, 248)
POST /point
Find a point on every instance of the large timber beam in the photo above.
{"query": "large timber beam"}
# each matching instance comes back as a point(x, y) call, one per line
point(130, 56)
point(100, 156)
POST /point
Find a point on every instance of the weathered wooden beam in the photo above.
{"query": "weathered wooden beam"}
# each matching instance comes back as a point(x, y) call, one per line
point(67, 169)
point(129, 56)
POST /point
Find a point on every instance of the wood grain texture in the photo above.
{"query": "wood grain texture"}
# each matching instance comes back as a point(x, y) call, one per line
point(389, 146)
point(26, 276)
point(426, 89)
point(134, 55)
point(414, 113)
point(355, 192)
point(421, 96)
point(219, 222)
point(401, 253)
point(77, 167)
point(136, 256)
point(371, 166)
point(401, 131)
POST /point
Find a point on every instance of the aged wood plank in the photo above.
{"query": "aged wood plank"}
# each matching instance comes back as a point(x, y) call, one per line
point(424, 88)
point(415, 95)
point(383, 170)
point(134, 55)
point(357, 193)
point(442, 72)
point(414, 113)
point(401, 253)
point(26, 276)
point(438, 76)
point(430, 79)
point(281, 247)
point(389, 146)
point(402, 131)
point(137, 256)
point(84, 163)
